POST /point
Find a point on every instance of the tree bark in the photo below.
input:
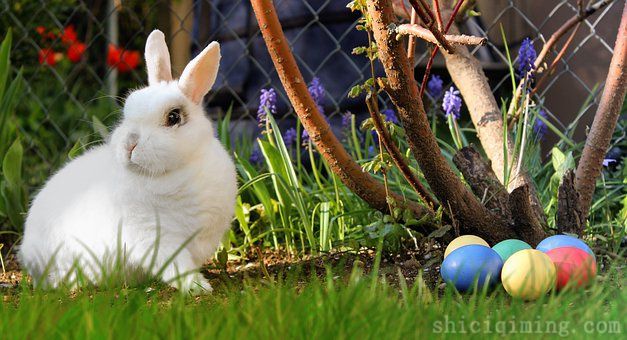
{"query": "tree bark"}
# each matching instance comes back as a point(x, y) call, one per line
point(401, 86)
point(468, 76)
point(483, 181)
point(605, 119)
point(569, 217)
point(425, 34)
point(524, 221)
point(340, 162)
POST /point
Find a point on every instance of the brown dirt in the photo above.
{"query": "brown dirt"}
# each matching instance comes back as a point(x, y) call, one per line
point(279, 265)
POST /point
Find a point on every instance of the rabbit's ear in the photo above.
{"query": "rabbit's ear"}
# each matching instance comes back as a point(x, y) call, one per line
point(157, 58)
point(200, 74)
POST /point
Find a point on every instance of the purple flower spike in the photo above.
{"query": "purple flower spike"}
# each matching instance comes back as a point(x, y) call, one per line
point(371, 151)
point(255, 155)
point(267, 102)
point(435, 86)
point(539, 127)
point(289, 137)
point(347, 119)
point(526, 58)
point(304, 138)
point(452, 103)
point(390, 116)
point(317, 93)
point(608, 161)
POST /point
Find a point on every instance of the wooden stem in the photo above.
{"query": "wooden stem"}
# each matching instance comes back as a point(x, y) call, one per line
point(403, 91)
point(605, 118)
point(330, 148)
point(426, 35)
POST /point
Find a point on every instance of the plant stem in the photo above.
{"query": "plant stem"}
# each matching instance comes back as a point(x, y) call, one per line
point(605, 119)
point(340, 162)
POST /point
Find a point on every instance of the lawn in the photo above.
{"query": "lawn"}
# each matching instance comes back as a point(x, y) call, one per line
point(311, 301)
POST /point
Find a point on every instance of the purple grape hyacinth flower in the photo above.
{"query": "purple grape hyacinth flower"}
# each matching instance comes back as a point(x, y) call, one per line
point(539, 127)
point(255, 155)
point(316, 89)
point(608, 161)
point(267, 103)
point(452, 103)
point(390, 116)
point(526, 58)
point(304, 138)
point(347, 119)
point(290, 136)
point(435, 86)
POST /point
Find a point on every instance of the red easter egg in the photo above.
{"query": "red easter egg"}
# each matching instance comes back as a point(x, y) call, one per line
point(573, 264)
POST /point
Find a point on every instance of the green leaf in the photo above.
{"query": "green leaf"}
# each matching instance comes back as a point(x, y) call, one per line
point(12, 165)
point(99, 127)
point(473, 13)
point(562, 162)
point(355, 91)
point(76, 150)
point(557, 158)
point(223, 129)
point(12, 205)
point(5, 62)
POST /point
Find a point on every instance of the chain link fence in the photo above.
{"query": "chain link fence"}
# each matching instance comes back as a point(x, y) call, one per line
point(62, 96)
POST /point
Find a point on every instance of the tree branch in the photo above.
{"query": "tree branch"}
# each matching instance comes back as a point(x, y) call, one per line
point(483, 180)
point(525, 221)
point(513, 110)
point(425, 34)
point(424, 13)
point(468, 75)
point(569, 218)
point(403, 91)
point(605, 119)
point(340, 162)
point(397, 156)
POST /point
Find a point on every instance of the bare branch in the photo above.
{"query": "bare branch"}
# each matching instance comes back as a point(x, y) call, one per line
point(548, 46)
point(598, 140)
point(340, 162)
point(397, 156)
point(425, 34)
point(524, 216)
point(468, 76)
point(424, 13)
point(483, 180)
point(569, 218)
point(403, 90)
point(411, 41)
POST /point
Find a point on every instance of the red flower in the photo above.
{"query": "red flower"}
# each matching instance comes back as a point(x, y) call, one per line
point(122, 59)
point(69, 35)
point(113, 55)
point(41, 30)
point(75, 51)
point(47, 56)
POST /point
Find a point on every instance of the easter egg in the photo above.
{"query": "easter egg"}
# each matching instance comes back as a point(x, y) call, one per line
point(508, 247)
point(528, 274)
point(464, 240)
point(574, 266)
point(469, 264)
point(558, 241)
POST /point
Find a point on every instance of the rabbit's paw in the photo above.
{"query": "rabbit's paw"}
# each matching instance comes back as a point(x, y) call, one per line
point(193, 284)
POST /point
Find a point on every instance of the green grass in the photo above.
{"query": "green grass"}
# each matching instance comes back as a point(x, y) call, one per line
point(333, 308)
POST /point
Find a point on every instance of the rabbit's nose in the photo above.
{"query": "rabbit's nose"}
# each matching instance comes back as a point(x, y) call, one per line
point(131, 143)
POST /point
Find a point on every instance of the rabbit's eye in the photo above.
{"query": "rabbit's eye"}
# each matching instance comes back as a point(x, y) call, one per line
point(174, 117)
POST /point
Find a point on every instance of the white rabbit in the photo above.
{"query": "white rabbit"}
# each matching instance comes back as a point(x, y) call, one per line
point(163, 179)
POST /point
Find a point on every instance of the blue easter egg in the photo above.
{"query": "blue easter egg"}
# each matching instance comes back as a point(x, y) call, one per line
point(559, 241)
point(471, 263)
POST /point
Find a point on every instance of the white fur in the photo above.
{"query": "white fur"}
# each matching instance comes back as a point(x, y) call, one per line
point(178, 182)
